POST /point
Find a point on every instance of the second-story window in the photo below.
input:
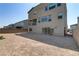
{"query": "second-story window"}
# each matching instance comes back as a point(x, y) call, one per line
point(51, 6)
point(34, 21)
point(58, 4)
point(44, 19)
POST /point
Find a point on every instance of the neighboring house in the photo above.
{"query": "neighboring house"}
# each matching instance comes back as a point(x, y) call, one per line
point(9, 26)
point(48, 18)
point(73, 27)
point(78, 20)
point(22, 24)
point(76, 33)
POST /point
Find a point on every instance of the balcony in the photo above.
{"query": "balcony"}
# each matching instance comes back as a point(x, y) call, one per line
point(33, 22)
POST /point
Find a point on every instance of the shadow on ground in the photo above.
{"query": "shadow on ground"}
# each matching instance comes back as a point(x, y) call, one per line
point(59, 41)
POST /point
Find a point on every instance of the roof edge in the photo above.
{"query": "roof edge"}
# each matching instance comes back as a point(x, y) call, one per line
point(33, 8)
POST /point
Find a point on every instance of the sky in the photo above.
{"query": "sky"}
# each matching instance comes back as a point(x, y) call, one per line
point(72, 13)
point(15, 12)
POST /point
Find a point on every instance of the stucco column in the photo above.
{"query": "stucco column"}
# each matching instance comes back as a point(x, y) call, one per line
point(28, 30)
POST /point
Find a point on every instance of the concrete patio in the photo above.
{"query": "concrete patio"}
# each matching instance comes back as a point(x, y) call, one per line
point(37, 44)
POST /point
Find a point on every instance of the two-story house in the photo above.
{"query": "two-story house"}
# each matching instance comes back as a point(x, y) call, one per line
point(48, 18)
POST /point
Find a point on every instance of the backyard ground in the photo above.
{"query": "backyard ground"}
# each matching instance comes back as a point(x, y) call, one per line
point(22, 44)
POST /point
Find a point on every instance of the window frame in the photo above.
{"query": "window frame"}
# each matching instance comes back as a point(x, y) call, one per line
point(44, 19)
point(59, 15)
point(51, 6)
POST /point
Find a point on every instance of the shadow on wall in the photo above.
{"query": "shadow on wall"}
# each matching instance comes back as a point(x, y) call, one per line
point(59, 41)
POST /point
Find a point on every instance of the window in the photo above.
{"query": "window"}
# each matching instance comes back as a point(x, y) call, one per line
point(60, 16)
point(46, 8)
point(44, 19)
point(34, 21)
point(48, 30)
point(58, 4)
point(51, 6)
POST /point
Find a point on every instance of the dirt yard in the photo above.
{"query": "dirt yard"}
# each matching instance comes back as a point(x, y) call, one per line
point(23, 44)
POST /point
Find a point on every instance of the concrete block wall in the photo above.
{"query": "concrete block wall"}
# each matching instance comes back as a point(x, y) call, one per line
point(12, 30)
point(76, 35)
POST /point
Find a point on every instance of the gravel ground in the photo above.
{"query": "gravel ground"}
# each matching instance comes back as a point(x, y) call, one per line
point(31, 44)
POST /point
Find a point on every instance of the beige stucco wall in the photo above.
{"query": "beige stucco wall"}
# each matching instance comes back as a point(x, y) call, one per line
point(76, 35)
point(57, 24)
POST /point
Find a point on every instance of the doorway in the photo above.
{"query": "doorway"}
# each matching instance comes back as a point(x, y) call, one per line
point(48, 30)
